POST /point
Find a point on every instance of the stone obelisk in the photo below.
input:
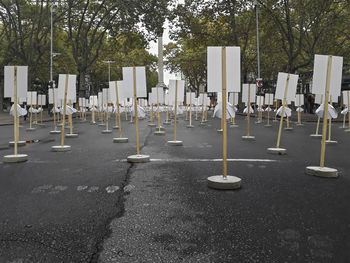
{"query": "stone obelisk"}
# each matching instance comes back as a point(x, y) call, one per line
point(160, 63)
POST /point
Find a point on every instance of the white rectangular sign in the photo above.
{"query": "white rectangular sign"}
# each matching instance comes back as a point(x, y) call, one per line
point(269, 99)
point(233, 69)
point(299, 100)
point(160, 94)
point(346, 97)
point(9, 82)
point(31, 98)
point(180, 91)
point(281, 86)
point(189, 96)
point(245, 93)
point(128, 78)
point(41, 100)
point(233, 98)
point(71, 90)
point(319, 79)
point(93, 101)
point(260, 101)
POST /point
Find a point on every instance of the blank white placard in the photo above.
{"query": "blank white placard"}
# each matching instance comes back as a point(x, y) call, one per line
point(42, 100)
point(93, 101)
point(106, 95)
point(269, 99)
point(100, 99)
point(299, 100)
point(281, 86)
point(189, 96)
point(160, 94)
point(71, 90)
point(318, 99)
point(128, 78)
point(31, 98)
point(51, 96)
point(260, 101)
point(319, 79)
point(233, 69)
point(346, 95)
point(219, 97)
point(233, 98)
point(180, 91)
point(9, 81)
point(245, 93)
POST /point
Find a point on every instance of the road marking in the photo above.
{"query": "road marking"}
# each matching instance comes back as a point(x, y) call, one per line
point(207, 160)
point(111, 189)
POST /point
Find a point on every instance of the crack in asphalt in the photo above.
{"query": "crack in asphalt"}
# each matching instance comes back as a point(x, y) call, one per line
point(120, 208)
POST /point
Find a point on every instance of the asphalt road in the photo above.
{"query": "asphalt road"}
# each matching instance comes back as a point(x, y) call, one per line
point(90, 205)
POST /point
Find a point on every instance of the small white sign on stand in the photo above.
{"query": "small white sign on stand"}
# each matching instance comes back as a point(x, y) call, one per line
point(299, 101)
point(269, 98)
point(248, 97)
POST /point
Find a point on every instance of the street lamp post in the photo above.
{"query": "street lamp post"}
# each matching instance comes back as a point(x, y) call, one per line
point(109, 62)
point(257, 37)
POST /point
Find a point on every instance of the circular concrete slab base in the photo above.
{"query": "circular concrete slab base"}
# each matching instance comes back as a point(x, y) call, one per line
point(248, 138)
point(59, 148)
point(189, 126)
point(278, 151)
point(234, 126)
point(267, 125)
point(55, 132)
point(15, 158)
point(161, 128)
point(322, 171)
point(93, 122)
point(19, 143)
point(175, 143)
point(202, 123)
point(289, 129)
point(221, 183)
point(72, 135)
point(42, 125)
point(31, 129)
point(159, 133)
point(219, 131)
point(331, 142)
point(300, 124)
point(348, 130)
point(101, 124)
point(316, 136)
point(258, 122)
point(106, 131)
point(167, 122)
point(116, 127)
point(138, 158)
point(120, 140)
point(151, 124)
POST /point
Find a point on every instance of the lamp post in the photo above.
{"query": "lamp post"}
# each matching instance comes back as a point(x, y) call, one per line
point(109, 62)
point(257, 37)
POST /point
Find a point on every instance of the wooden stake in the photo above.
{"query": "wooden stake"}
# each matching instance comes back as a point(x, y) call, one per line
point(282, 115)
point(54, 108)
point(325, 112)
point(15, 124)
point(41, 106)
point(190, 108)
point(136, 116)
point(31, 110)
point(248, 116)
point(64, 110)
point(224, 132)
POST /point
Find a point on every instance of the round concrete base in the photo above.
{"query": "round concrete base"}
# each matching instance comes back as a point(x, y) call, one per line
point(219, 131)
point(161, 128)
point(159, 133)
point(248, 138)
point(316, 136)
point(59, 148)
point(278, 151)
point(116, 127)
point(138, 158)
point(221, 183)
point(258, 122)
point(55, 132)
point(93, 122)
point(234, 126)
point(15, 158)
point(202, 123)
point(300, 124)
point(175, 143)
point(205, 121)
point(31, 129)
point(167, 122)
point(331, 142)
point(289, 129)
point(72, 135)
point(42, 125)
point(120, 140)
point(106, 131)
point(101, 124)
point(151, 124)
point(19, 143)
point(348, 130)
point(322, 171)
point(189, 126)
point(267, 125)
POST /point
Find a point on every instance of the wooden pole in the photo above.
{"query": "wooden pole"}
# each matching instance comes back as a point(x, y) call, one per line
point(64, 110)
point(325, 112)
point(70, 119)
point(31, 110)
point(41, 113)
point(136, 116)
point(118, 113)
point(224, 132)
point(175, 110)
point(282, 115)
point(248, 115)
point(15, 124)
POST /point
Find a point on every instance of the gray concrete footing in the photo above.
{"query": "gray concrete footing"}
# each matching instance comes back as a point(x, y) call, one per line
point(138, 158)
point(278, 151)
point(322, 171)
point(15, 158)
point(221, 183)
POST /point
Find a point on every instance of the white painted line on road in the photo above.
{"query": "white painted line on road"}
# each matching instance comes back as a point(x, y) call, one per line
point(206, 160)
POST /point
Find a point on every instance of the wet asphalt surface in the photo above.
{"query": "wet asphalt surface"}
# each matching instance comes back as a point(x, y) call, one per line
point(90, 205)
